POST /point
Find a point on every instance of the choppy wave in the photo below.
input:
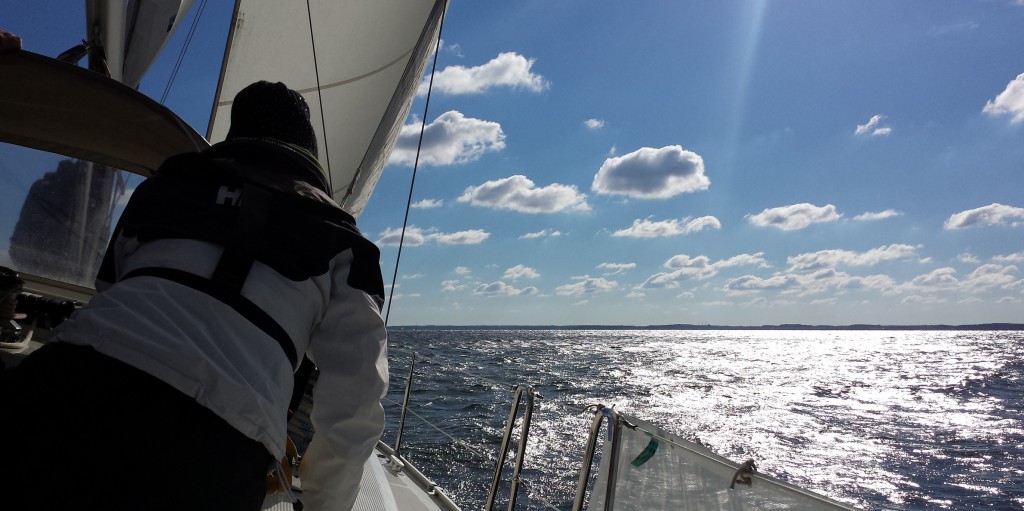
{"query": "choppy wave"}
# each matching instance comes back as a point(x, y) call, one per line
point(909, 420)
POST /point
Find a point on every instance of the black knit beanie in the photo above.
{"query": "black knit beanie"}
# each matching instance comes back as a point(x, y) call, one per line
point(272, 110)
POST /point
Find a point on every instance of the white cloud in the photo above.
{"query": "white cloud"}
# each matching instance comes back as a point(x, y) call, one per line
point(414, 276)
point(508, 69)
point(451, 286)
point(1009, 102)
point(502, 289)
point(462, 270)
point(809, 283)
point(794, 217)
point(469, 237)
point(989, 276)
point(649, 173)
point(873, 128)
point(594, 124)
point(880, 215)
point(700, 267)
point(836, 257)
point(650, 229)
point(414, 236)
point(520, 271)
point(586, 285)
point(428, 204)
point(968, 258)
point(635, 294)
point(451, 139)
point(518, 193)
point(540, 234)
point(937, 279)
point(1016, 257)
point(993, 214)
point(616, 268)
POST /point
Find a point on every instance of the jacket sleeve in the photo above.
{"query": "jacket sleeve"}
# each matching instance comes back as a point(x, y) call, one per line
point(350, 349)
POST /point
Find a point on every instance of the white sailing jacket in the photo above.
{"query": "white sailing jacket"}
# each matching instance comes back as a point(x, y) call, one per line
point(227, 326)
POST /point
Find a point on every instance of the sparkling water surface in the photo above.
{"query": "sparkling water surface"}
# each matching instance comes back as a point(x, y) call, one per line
point(907, 420)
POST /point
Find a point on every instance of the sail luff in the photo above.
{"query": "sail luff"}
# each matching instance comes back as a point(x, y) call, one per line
point(367, 67)
point(223, 69)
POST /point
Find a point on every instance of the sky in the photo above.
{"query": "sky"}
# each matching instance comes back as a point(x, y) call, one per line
point(730, 163)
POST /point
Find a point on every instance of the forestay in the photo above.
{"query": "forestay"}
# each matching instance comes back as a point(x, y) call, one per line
point(360, 60)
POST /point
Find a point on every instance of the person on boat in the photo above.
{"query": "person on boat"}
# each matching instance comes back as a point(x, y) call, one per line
point(170, 388)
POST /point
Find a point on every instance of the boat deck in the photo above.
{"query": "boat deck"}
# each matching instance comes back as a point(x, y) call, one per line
point(385, 487)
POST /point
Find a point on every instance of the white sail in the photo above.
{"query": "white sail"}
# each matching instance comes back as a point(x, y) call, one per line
point(655, 469)
point(131, 34)
point(357, 63)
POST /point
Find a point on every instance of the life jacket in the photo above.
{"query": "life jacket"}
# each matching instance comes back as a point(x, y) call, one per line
point(254, 199)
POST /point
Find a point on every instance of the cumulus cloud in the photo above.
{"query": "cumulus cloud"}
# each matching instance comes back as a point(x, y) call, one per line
point(1016, 257)
point(451, 139)
point(586, 285)
point(649, 173)
point(502, 289)
point(794, 217)
point(836, 257)
point(540, 234)
point(414, 236)
point(990, 276)
point(651, 229)
point(469, 237)
point(519, 193)
point(880, 215)
point(968, 258)
point(1009, 102)
point(935, 280)
point(873, 128)
point(616, 268)
point(809, 283)
point(508, 69)
point(683, 266)
point(451, 286)
point(520, 271)
point(594, 124)
point(993, 214)
point(462, 270)
point(428, 204)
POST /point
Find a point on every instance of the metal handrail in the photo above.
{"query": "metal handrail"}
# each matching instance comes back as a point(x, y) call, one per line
point(521, 452)
point(405, 405)
point(588, 455)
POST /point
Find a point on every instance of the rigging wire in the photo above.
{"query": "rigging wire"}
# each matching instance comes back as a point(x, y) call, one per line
point(533, 491)
point(184, 49)
point(483, 455)
point(415, 166)
point(320, 99)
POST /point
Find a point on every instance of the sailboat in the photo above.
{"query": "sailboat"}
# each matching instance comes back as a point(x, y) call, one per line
point(358, 65)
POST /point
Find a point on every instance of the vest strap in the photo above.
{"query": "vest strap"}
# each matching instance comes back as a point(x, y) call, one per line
point(242, 305)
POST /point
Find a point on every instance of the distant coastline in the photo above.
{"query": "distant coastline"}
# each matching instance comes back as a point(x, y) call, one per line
point(981, 326)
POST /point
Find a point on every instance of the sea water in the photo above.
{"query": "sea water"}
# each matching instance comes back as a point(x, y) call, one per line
point(907, 420)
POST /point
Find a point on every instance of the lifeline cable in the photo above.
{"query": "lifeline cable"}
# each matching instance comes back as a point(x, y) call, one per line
point(320, 99)
point(415, 165)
